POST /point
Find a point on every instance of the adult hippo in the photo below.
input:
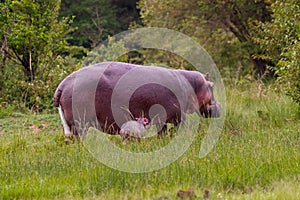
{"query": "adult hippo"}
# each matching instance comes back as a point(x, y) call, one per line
point(108, 94)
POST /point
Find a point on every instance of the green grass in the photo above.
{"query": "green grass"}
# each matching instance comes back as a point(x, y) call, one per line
point(257, 157)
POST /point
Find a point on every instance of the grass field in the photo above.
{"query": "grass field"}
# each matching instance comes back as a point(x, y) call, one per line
point(257, 157)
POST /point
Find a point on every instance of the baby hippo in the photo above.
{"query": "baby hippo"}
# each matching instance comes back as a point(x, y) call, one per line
point(134, 128)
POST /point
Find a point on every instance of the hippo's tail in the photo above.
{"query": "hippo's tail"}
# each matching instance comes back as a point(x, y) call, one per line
point(57, 96)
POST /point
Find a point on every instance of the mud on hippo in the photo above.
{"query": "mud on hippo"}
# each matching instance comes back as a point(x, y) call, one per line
point(106, 95)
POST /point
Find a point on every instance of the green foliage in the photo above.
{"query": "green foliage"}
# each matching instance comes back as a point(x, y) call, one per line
point(289, 71)
point(237, 33)
point(33, 50)
point(36, 95)
point(32, 36)
point(224, 29)
point(6, 110)
point(127, 12)
point(280, 40)
point(109, 50)
point(94, 21)
point(35, 54)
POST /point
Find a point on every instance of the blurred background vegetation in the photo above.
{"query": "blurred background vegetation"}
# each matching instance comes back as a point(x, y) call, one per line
point(42, 41)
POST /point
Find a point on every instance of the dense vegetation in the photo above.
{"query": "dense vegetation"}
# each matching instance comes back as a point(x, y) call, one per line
point(42, 41)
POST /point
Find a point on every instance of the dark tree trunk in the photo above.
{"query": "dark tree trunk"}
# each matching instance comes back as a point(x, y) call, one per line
point(236, 21)
point(260, 66)
point(28, 74)
point(28, 68)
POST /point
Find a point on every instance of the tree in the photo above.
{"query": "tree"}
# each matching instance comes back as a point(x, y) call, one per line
point(215, 21)
point(32, 36)
point(34, 52)
point(94, 21)
point(127, 12)
point(280, 42)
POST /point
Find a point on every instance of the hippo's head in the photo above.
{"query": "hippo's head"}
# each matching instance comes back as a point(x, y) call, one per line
point(208, 106)
point(204, 102)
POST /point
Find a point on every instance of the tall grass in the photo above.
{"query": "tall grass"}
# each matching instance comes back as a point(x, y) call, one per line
point(259, 147)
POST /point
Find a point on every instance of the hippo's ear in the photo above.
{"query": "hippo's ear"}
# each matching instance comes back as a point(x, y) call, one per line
point(146, 121)
point(206, 76)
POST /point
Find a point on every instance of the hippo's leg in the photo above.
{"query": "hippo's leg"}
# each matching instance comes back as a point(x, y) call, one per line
point(124, 136)
point(173, 130)
point(161, 129)
point(66, 128)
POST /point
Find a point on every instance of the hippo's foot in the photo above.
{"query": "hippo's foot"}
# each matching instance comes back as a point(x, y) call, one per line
point(124, 141)
point(68, 138)
point(172, 131)
point(124, 137)
point(161, 130)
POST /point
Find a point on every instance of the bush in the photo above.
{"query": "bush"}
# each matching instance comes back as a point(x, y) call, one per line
point(288, 71)
point(36, 95)
point(279, 40)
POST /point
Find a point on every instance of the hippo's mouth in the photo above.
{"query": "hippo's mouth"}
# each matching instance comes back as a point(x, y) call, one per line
point(211, 110)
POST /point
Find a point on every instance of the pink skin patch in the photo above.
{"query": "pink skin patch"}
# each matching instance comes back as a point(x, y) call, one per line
point(142, 120)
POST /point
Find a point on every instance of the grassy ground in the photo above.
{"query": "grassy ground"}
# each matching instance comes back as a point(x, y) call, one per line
point(257, 157)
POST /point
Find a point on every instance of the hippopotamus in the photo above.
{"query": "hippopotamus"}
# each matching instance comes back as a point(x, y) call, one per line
point(108, 94)
point(134, 128)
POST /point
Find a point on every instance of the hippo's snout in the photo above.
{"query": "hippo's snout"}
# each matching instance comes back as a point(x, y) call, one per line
point(212, 111)
point(215, 110)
